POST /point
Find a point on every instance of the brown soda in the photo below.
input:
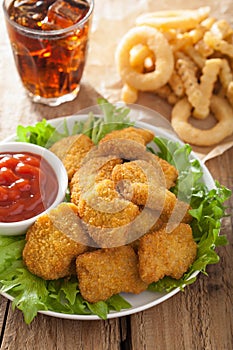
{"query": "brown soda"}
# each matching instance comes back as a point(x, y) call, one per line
point(50, 66)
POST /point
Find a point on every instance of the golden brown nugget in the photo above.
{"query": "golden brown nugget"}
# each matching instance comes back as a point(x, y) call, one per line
point(150, 196)
point(97, 170)
point(49, 252)
point(140, 171)
point(61, 147)
point(105, 172)
point(141, 183)
point(127, 149)
point(107, 214)
point(142, 136)
point(104, 207)
point(146, 134)
point(74, 149)
point(170, 172)
point(106, 272)
point(179, 213)
point(146, 171)
point(166, 254)
point(137, 182)
point(147, 221)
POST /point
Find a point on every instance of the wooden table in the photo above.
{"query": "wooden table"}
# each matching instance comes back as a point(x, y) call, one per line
point(199, 318)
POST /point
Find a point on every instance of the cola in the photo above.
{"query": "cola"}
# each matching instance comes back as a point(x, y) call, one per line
point(49, 42)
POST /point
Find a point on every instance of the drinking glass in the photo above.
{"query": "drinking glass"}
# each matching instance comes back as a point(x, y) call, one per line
point(49, 41)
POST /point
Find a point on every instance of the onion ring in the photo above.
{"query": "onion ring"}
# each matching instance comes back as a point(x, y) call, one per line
point(188, 133)
point(158, 44)
point(177, 19)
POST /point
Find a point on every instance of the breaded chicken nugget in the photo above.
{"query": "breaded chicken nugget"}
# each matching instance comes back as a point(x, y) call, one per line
point(61, 147)
point(107, 214)
point(105, 172)
point(143, 170)
point(71, 150)
point(142, 136)
point(95, 170)
point(170, 172)
point(166, 254)
point(128, 144)
point(106, 272)
point(146, 170)
point(146, 134)
point(133, 171)
point(50, 251)
point(147, 221)
point(141, 183)
point(126, 149)
point(103, 206)
point(178, 213)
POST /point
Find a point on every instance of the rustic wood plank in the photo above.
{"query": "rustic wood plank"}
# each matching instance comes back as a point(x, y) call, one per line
point(4, 305)
point(52, 333)
point(220, 285)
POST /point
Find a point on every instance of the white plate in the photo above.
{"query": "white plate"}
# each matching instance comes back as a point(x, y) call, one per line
point(144, 300)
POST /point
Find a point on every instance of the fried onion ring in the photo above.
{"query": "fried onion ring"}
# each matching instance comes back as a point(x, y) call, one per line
point(178, 19)
point(188, 133)
point(158, 44)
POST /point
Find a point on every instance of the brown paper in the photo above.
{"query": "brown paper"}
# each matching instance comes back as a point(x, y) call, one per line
point(112, 19)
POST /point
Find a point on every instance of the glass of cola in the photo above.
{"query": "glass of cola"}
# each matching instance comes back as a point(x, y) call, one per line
point(49, 40)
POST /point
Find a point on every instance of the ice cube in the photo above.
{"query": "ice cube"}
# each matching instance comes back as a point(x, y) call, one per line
point(65, 13)
point(29, 13)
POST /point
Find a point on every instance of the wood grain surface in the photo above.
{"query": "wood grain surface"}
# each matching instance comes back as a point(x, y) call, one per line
point(200, 318)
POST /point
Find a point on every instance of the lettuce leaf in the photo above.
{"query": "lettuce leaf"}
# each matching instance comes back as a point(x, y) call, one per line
point(42, 134)
point(96, 127)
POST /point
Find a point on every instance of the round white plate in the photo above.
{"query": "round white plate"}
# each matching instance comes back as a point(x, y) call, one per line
point(144, 300)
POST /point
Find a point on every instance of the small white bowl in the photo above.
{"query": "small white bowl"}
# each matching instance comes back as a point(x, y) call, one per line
point(20, 227)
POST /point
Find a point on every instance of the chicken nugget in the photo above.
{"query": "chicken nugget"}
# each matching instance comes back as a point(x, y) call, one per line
point(142, 136)
point(145, 171)
point(136, 171)
point(105, 172)
point(166, 254)
point(61, 147)
point(107, 214)
point(127, 149)
point(129, 143)
point(147, 221)
point(103, 206)
point(170, 172)
point(133, 171)
point(50, 250)
point(95, 170)
point(106, 272)
point(142, 194)
point(141, 183)
point(71, 150)
point(178, 213)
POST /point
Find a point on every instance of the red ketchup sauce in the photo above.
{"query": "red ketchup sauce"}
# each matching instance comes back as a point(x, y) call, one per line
point(28, 186)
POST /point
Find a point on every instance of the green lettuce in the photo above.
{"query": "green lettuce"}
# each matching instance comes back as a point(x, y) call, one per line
point(44, 134)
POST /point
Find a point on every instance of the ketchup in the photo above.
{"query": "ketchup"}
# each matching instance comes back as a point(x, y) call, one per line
point(28, 186)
